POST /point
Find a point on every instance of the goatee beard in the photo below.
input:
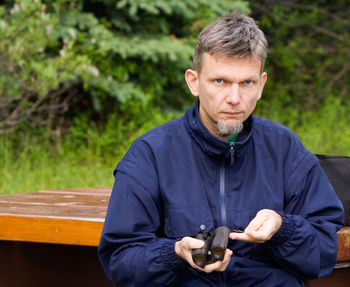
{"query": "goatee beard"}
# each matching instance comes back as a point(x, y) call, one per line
point(225, 129)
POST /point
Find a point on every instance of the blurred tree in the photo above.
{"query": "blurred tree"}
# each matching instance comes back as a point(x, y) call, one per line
point(61, 58)
point(309, 54)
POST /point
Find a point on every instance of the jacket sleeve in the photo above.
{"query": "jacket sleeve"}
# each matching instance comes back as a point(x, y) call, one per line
point(306, 244)
point(129, 250)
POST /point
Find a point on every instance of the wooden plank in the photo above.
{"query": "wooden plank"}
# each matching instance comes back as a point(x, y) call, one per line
point(100, 190)
point(344, 244)
point(87, 191)
point(70, 204)
point(55, 199)
point(72, 216)
point(87, 213)
point(50, 230)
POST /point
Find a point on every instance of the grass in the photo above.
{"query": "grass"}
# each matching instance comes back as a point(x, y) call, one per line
point(327, 130)
point(87, 156)
point(40, 167)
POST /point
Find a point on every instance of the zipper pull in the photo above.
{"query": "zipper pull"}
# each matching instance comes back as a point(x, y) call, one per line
point(232, 153)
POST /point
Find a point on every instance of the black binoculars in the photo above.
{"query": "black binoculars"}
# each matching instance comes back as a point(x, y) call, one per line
point(215, 244)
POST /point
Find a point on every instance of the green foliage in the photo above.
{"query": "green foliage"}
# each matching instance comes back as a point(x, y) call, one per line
point(38, 167)
point(308, 66)
point(309, 59)
point(35, 67)
point(85, 157)
point(326, 130)
point(81, 79)
point(56, 54)
point(323, 130)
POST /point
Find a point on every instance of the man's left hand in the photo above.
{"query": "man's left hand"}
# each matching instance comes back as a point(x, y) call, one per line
point(265, 224)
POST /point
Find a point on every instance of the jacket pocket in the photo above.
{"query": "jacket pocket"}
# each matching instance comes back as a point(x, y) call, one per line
point(187, 221)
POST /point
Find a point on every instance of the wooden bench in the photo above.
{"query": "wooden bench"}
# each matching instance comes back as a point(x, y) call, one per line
point(50, 238)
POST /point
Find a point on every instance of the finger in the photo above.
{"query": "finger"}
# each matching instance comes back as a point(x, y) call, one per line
point(228, 254)
point(184, 247)
point(191, 243)
point(259, 236)
point(212, 267)
point(226, 260)
point(241, 236)
point(219, 265)
point(249, 236)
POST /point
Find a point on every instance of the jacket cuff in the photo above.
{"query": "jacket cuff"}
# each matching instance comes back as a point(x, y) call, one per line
point(169, 257)
point(286, 230)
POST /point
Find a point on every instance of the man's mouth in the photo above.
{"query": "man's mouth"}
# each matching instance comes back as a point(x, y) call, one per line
point(232, 114)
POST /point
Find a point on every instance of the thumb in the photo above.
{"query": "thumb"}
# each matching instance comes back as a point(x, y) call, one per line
point(192, 243)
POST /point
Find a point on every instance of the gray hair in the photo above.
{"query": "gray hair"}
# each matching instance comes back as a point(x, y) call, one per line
point(235, 35)
point(225, 129)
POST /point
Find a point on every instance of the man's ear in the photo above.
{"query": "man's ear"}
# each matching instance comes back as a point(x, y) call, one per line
point(191, 77)
point(263, 79)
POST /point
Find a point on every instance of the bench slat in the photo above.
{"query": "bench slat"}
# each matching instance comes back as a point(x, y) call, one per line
point(72, 216)
point(89, 213)
point(54, 199)
point(50, 230)
point(86, 191)
point(344, 244)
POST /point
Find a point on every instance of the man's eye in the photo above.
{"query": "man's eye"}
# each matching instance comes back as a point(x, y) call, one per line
point(219, 81)
point(248, 82)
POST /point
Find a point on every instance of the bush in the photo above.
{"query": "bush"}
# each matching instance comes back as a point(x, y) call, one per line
point(81, 79)
point(309, 59)
point(64, 58)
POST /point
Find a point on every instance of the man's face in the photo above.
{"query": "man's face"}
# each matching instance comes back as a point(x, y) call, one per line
point(228, 89)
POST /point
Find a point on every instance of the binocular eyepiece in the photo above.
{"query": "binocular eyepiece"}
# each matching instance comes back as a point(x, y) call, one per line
point(215, 244)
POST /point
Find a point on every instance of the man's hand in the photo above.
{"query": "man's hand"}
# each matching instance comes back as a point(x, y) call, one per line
point(265, 224)
point(184, 247)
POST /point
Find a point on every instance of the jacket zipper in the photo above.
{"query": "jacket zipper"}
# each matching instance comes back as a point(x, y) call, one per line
point(223, 186)
point(222, 193)
point(222, 280)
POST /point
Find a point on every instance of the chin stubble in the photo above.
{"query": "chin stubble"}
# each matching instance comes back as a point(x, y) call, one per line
point(225, 129)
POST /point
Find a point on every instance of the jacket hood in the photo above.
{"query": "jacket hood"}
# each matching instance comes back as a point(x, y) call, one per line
point(213, 145)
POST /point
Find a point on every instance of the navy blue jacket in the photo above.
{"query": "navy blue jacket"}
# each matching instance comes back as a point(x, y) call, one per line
point(179, 176)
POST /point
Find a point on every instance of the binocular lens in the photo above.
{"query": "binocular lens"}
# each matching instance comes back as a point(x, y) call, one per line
point(218, 252)
point(215, 241)
point(199, 259)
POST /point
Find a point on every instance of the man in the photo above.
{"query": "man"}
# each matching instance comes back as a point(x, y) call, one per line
point(220, 166)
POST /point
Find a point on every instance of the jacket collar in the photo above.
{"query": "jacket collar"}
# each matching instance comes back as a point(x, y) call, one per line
point(213, 145)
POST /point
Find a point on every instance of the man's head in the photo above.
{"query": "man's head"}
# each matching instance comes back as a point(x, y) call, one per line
point(232, 36)
point(228, 73)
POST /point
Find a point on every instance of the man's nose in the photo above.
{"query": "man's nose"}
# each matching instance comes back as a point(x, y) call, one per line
point(232, 96)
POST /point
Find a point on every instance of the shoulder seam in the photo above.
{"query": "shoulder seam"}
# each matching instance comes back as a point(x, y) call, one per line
point(136, 180)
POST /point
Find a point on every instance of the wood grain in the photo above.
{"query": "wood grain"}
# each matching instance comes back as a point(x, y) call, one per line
point(73, 216)
point(344, 244)
point(50, 230)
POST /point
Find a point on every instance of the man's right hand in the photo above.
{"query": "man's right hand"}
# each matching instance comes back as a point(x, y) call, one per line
point(184, 247)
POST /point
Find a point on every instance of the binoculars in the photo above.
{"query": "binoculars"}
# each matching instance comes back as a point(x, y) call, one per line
point(215, 244)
